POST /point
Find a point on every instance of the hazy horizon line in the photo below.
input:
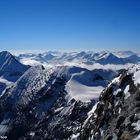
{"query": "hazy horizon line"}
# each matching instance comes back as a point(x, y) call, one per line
point(16, 52)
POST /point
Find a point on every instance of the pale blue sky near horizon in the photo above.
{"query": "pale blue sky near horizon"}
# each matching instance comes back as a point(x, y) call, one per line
point(69, 25)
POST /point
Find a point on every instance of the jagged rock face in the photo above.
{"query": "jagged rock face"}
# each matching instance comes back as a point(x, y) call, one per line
point(60, 123)
point(117, 113)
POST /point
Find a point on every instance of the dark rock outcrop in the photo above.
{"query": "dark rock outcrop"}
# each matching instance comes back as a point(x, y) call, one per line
point(116, 112)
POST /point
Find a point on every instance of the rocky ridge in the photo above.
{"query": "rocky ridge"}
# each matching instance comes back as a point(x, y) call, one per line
point(117, 113)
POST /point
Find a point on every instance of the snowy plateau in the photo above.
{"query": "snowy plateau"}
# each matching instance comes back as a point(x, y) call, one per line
point(70, 96)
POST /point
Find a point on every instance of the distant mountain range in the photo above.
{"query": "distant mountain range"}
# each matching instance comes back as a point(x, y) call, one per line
point(80, 57)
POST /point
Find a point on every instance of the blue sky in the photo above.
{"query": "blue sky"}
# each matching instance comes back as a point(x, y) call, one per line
point(69, 25)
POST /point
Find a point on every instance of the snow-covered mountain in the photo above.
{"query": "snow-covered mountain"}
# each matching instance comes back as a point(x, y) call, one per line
point(70, 102)
point(109, 58)
point(9, 65)
point(124, 54)
point(89, 58)
point(10, 69)
point(59, 97)
point(134, 59)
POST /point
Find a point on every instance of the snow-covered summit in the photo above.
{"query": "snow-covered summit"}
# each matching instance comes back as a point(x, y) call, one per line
point(123, 54)
point(10, 69)
point(9, 64)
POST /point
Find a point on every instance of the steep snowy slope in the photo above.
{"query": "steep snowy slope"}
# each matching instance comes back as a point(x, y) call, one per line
point(27, 86)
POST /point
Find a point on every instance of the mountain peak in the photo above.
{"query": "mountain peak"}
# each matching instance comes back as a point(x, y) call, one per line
point(133, 56)
point(5, 54)
point(110, 55)
point(9, 64)
point(134, 59)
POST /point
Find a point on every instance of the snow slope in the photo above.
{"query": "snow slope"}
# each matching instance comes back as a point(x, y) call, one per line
point(82, 92)
point(83, 84)
point(27, 86)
